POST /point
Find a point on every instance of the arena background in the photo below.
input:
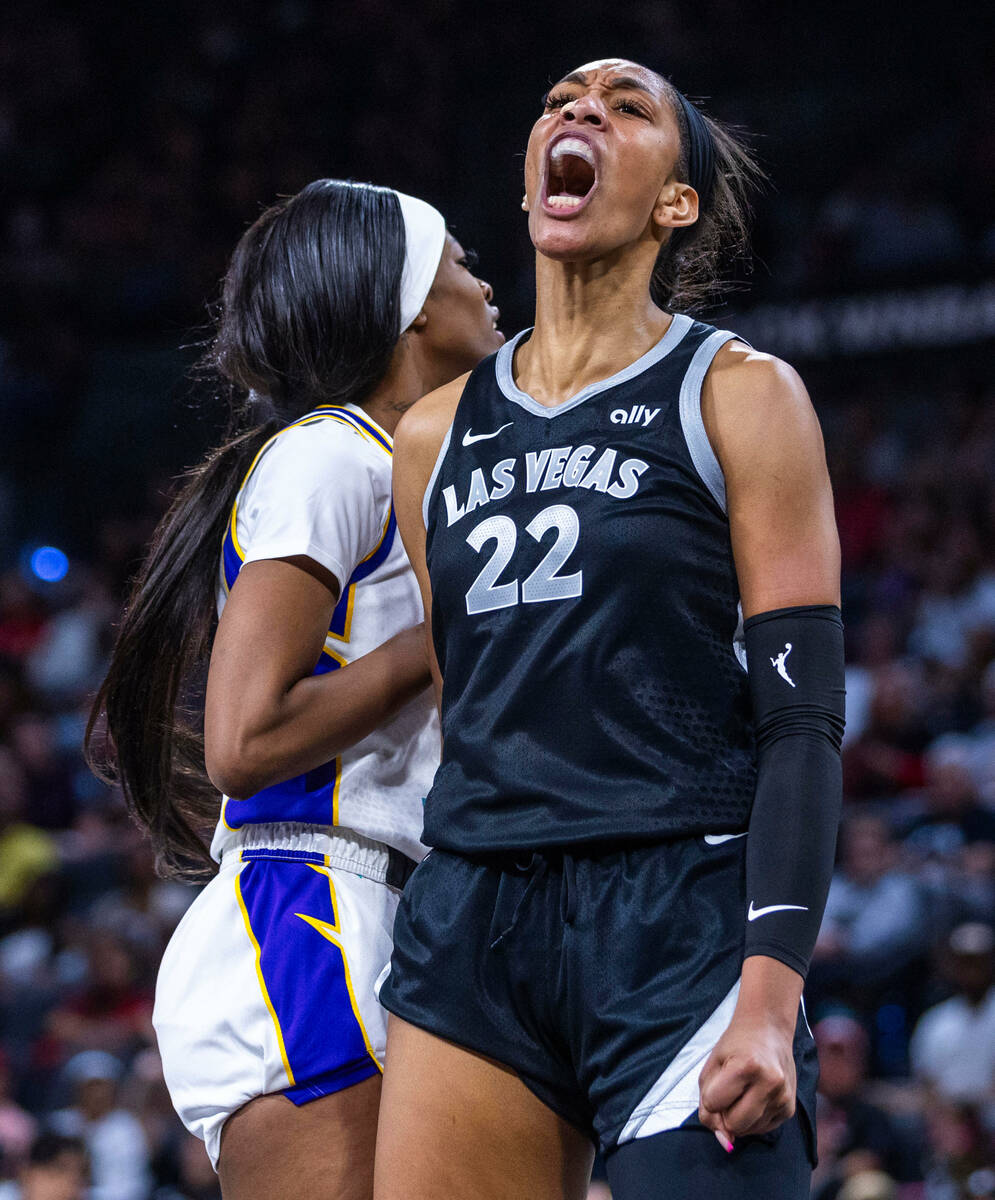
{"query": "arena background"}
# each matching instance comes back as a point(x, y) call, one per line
point(135, 146)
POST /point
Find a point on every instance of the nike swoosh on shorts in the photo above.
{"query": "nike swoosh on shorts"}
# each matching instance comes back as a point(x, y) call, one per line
point(773, 908)
point(716, 839)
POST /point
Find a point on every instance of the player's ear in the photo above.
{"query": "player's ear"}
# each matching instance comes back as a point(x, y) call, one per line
point(419, 322)
point(676, 206)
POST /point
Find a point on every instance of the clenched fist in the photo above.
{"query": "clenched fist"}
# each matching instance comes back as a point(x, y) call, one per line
point(748, 1083)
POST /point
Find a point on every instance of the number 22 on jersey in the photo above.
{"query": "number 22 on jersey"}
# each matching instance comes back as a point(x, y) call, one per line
point(545, 582)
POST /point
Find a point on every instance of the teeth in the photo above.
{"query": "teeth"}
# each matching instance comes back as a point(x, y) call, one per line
point(565, 201)
point(573, 145)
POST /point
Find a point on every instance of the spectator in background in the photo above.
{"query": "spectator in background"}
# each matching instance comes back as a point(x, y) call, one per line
point(876, 921)
point(144, 1093)
point(27, 948)
point(113, 1136)
point(983, 739)
point(22, 617)
point(869, 1185)
point(962, 1162)
point(13, 694)
point(854, 1135)
point(26, 852)
point(70, 655)
point(951, 814)
point(876, 646)
point(57, 1169)
point(17, 1127)
point(48, 779)
point(953, 1046)
point(113, 1011)
point(145, 909)
point(944, 611)
point(887, 756)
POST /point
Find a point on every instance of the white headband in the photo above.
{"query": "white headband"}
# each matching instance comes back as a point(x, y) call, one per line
point(424, 237)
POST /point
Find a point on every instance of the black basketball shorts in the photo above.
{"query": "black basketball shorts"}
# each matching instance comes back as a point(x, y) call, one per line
point(603, 978)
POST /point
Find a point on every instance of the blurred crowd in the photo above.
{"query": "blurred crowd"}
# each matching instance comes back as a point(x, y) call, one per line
point(83, 918)
point(135, 148)
point(133, 154)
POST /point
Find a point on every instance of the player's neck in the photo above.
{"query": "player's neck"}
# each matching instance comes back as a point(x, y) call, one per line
point(592, 320)
point(403, 384)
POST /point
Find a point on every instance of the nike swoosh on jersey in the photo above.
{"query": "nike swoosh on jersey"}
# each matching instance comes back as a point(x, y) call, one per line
point(469, 438)
point(772, 908)
point(716, 839)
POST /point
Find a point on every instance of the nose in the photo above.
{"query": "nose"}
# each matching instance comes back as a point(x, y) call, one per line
point(486, 288)
point(586, 109)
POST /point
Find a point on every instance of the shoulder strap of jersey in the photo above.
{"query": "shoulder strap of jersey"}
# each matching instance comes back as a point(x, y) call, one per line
point(699, 445)
point(232, 555)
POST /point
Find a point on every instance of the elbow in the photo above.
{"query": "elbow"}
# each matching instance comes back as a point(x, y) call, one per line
point(231, 779)
point(230, 768)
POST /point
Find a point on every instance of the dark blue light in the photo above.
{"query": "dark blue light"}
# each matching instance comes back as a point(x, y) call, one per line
point(49, 564)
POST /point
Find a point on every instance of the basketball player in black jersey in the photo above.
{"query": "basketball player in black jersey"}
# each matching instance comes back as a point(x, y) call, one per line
point(611, 519)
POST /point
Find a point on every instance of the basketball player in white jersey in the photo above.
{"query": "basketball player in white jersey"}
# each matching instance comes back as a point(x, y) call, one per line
point(341, 307)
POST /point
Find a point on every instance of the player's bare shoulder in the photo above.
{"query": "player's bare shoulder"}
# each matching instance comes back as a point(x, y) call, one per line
point(755, 407)
point(421, 431)
point(418, 439)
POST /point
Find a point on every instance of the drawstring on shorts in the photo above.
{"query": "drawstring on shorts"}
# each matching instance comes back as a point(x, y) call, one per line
point(537, 868)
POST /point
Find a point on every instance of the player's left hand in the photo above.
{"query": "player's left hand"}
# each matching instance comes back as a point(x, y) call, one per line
point(748, 1083)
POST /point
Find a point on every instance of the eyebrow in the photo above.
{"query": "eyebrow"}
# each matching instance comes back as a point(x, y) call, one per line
point(619, 83)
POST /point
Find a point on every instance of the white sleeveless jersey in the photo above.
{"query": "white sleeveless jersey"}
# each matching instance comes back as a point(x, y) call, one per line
point(322, 488)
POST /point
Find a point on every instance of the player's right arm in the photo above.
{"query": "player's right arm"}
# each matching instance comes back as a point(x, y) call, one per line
point(417, 442)
point(317, 508)
point(267, 716)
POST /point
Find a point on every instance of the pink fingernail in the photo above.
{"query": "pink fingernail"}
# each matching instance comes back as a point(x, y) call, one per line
point(724, 1142)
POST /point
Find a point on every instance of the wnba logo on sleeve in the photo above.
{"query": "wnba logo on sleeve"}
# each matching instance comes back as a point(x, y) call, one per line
point(778, 664)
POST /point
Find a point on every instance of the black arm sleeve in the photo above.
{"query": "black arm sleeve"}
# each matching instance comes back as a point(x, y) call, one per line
point(795, 659)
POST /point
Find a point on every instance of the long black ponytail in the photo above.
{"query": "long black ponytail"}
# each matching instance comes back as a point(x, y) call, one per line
point(309, 314)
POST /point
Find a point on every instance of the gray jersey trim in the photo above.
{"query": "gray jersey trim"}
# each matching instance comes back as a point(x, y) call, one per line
point(699, 447)
point(506, 380)
point(435, 475)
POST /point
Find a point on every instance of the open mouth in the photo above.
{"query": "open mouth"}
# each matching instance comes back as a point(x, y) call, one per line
point(571, 174)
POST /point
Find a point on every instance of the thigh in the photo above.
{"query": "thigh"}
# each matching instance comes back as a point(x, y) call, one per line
point(271, 1149)
point(689, 1164)
point(454, 1123)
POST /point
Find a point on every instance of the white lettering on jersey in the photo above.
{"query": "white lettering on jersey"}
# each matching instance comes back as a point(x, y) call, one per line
point(600, 475)
point(577, 465)
point(503, 474)
point(546, 471)
point(639, 414)
point(628, 478)
point(535, 464)
point(478, 491)
point(554, 467)
point(453, 510)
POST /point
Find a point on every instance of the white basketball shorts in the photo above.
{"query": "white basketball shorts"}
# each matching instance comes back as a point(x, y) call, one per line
point(267, 983)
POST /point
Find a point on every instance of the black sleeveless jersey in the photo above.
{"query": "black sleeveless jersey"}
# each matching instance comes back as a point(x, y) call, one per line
point(586, 612)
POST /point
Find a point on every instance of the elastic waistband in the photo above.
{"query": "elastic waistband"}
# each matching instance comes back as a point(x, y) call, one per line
point(330, 846)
